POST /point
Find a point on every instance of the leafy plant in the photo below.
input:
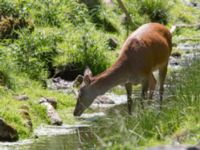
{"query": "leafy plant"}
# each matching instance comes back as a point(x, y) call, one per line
point(84, 48)
point(48, 13)
point(33, 53)
point(15, 9)
point(157, 10)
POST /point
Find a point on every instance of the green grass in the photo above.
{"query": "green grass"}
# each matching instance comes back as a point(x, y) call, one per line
point(10, 107)
point(178, 121)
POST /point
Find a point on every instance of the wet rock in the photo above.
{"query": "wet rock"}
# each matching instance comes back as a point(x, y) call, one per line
point(24, 111)
point(22, 97)
point(51, 112)
point(51, 101)
point(67, 87)
point(112, 101)
point(113, 43)
point(176, 54)
point(7, 132)
point(60, 84)
point(173, 61)
point(92, 116)
point(103, 100)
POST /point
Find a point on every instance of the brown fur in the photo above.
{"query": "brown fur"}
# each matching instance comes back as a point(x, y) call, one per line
point(146, 50)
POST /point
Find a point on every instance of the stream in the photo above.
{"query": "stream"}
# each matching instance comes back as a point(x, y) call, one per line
point(81, 136)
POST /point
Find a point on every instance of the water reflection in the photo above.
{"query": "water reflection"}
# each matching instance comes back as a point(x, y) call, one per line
point(78, 139)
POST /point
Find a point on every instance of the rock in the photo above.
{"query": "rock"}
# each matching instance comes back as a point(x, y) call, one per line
point(51, 101)
point(51, 112)
point(173, 61)
point(22, 97)
point(112, 43)
point(24, 111)
point(7, 132)
point(176, 54)
point(103, 100)
point(62, 85)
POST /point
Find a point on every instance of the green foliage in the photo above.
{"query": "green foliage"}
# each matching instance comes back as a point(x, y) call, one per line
point(157, 10)
point(48, 12)
point(16, 9)
point(33, 53)
point(99, 17)
point(75, 13)
point(84, 48)
point(177, 16)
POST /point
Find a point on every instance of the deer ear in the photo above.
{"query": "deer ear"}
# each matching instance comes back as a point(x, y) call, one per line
point(88, 72)
point(87, 76)
point(87, 79)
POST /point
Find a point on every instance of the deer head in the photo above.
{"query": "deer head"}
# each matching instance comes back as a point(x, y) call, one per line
point(85, 94)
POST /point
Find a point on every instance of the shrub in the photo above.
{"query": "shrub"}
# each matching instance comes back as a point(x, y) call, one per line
point(76, 13)
point(47, 13)
point(84, 48)
point(8, 26)
point(157, 10)
point(101, 18)
point(33, 53)
point(12, 8)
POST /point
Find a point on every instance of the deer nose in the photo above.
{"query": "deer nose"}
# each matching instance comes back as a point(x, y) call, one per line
point(76, 113)
point(78, 110)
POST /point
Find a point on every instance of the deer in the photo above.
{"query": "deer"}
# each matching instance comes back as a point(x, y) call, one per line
point(146, 50)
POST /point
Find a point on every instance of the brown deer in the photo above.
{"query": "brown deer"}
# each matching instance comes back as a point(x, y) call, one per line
point(146, 50)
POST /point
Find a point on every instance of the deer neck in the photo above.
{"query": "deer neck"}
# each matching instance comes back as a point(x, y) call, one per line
point(113, 76)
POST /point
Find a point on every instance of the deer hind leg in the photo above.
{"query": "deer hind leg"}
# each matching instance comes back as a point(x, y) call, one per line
point(162, 76)
point(128, 87)
point(152, 85)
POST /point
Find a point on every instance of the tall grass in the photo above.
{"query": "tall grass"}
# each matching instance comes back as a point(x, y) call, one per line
point(85, 47)
point(33, 53)
point(178, 121)
point(157, 10)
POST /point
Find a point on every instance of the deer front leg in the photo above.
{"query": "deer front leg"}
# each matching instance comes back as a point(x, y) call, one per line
point(152, 85)
point(128, 87)
point(162, 76)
